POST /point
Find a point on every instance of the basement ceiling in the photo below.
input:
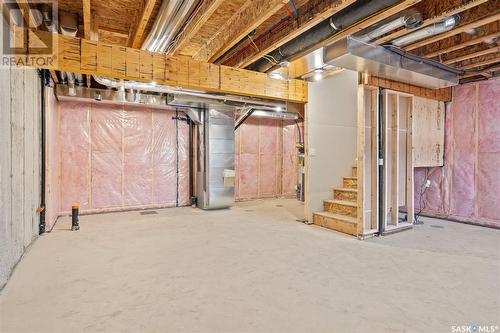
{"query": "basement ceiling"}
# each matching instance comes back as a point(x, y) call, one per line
point(237, 33)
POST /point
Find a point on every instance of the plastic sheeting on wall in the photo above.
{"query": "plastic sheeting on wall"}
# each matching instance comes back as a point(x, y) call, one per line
point(467, 188)
point(115, 157)
point(266, 159)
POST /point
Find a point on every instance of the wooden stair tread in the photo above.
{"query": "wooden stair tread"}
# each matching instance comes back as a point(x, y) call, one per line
point(343, 202)
point(346, 189)
point(334, 216)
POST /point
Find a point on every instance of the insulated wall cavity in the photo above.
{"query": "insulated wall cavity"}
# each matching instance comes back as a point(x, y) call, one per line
point(467, 187)
point(266, 159)
point(116, 157)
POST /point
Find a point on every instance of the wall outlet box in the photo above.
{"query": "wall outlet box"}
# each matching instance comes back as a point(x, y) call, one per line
point(428, 183)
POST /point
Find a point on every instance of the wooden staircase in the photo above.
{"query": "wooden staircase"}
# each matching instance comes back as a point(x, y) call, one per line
point(341, 213)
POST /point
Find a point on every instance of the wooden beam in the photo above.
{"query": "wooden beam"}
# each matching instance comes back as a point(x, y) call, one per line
point(459, 46)
point(481, 63)
point(250, 16)
point(87, 25)
point(349, 31)
point(202, 15)
point(138, 36)
point(114, 61)
point(443, 94)
point(473, 55)
point(24, 6)
point(435, 19)
point(314, 19)
point(453, 32)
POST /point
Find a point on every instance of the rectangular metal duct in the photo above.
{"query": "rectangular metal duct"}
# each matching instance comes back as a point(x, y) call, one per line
point(351, 53)
point(275, 115)
point(215, 169)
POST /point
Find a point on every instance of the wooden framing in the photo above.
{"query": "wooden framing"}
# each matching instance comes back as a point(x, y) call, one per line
point(460, 46)
point(473, 55)
point(95, 58)
point(138, 36)
point(429, 21)
point(87, 17)
point(360, 161)
point(250, 16)
point(392, 114)
point(436, 94)
point(454, 32)
point(312, 20)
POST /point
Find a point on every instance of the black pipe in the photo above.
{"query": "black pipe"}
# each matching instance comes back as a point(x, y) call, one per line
point(327, 28)
point(74, 218)
point(381, 145)
point(243, 118)
point(43, 81)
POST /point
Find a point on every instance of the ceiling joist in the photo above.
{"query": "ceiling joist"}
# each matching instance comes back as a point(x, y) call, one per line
point(482, 63)
point(202, 15)
point(472, 55)
point(138, 36)
point(24, 6)
point(435, 19)
point(462, 45)
point(87, 18)
point(454, 32)
point(249, 17)
point(314, 18)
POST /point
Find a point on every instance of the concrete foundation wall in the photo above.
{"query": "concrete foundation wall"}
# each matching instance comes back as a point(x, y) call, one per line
point(331, 129)
point(19, 164)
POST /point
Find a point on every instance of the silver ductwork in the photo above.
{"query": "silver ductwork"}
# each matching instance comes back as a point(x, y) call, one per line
point(68, 25)
point(215, 168)
point(169, 22)
point(431, 30)
point(189, 98)
point(351, 53)
point(410, 20)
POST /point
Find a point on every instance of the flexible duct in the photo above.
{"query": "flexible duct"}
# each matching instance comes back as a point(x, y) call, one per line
point(330, 27)
point(409, 20)
point(431, 30)
point(168, 24)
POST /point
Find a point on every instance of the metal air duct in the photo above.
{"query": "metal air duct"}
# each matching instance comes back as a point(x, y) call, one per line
point(168, 23)
point(431, 30)
point(330, 27)
point(410, 20)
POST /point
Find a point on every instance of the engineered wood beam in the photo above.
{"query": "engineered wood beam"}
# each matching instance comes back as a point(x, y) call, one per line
point(460, 46)
point(454, 32)
point(202, 15)
point(315, 18)
point(138, 36)
point(243, 22)
point(435, 19)
point(87, 18)
point(114, 61)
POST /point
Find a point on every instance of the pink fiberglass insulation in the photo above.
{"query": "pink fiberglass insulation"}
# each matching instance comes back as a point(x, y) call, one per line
point(467, 188)
point(75, 149)
point(266, 163)
point(116, 157)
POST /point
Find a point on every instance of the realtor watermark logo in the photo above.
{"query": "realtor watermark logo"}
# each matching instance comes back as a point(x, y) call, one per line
point(25, 33)
point(474, 328)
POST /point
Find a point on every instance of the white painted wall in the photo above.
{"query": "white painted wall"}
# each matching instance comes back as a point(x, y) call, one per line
point(331, 136)
point(19, 163)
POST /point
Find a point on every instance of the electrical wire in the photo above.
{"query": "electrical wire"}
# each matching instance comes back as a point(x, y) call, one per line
point(294, 8)
point(422, 202)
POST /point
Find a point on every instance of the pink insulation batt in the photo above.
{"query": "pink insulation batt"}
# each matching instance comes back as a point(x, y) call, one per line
point(116, 157)
point(467, 188)
point(266, 159)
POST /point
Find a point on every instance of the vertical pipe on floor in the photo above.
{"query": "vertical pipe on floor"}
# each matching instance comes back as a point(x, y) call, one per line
point(177, 159)
point(381, 163)
point(41, 210)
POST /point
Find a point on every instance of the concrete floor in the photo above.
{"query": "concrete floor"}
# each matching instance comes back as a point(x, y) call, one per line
point(253, 269)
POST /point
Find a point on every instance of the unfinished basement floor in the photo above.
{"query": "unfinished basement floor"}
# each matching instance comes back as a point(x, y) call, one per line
point(252, 268)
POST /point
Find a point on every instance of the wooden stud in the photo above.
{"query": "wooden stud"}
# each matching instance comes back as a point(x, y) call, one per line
point(394, 100)
point(374, 157)
point(87, 25)
point(409, 163)
point(360, 161)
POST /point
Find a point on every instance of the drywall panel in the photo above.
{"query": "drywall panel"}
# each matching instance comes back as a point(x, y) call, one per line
point(467, 187)
point(19, 165)
point(331, 124)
